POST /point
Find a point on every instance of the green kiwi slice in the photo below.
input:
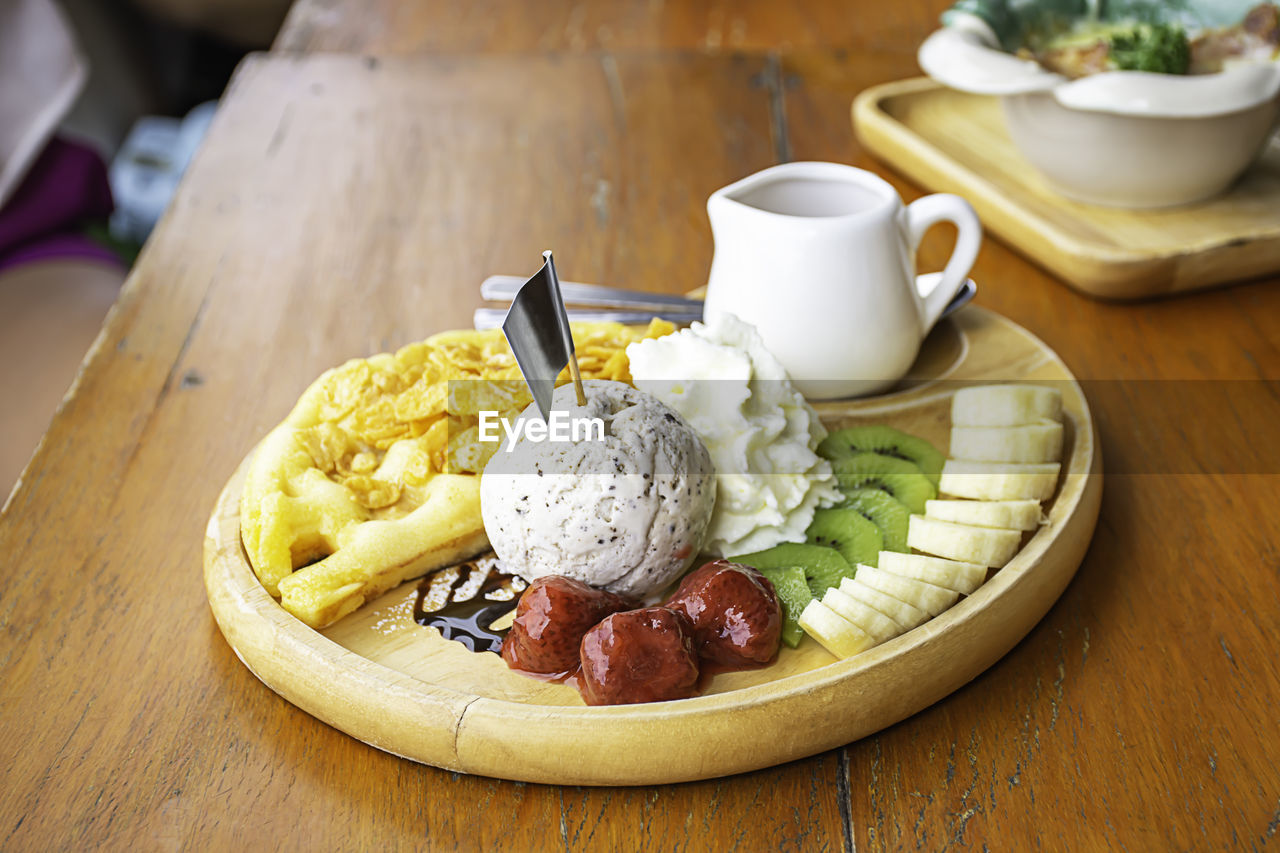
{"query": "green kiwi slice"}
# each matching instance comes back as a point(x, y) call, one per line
point(823, 567)
point(883, 510)
point(900, 478)
point(794, 594)
point(849, 532)
point(885, 441)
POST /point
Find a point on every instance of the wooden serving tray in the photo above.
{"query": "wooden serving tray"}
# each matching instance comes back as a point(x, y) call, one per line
point(380, 677)
point(950, 141)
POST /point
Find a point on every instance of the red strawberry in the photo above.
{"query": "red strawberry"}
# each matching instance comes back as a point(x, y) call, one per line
point(736, 618)
point(553, 614)
point(639, 656)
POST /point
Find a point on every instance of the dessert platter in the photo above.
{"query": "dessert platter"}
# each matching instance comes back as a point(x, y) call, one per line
point(668, 614)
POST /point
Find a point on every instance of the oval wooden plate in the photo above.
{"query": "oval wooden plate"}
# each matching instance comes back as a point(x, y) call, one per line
point(379, 677)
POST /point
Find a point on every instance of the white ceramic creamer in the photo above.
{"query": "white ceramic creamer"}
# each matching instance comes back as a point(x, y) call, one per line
point(820, 258)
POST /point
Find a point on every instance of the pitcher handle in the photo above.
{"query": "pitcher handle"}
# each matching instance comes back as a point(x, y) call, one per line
point(923, 214)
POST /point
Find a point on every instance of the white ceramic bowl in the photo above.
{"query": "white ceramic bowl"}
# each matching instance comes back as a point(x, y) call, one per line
point(1121, 138)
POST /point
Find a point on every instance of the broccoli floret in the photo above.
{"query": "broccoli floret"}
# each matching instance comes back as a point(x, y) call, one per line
point(1162, 48)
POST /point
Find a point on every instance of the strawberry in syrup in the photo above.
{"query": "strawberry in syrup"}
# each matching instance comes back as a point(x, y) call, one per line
point(639, 656)
point(553, 614)
point(736, 617)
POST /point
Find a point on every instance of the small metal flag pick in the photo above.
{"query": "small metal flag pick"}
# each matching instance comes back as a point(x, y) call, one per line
point(537, 328)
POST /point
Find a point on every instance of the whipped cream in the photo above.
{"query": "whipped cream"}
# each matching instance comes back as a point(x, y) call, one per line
point(759, 430)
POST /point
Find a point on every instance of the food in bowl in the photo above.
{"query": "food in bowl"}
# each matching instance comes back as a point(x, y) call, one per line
point(1100, 132)
point(1162, 47)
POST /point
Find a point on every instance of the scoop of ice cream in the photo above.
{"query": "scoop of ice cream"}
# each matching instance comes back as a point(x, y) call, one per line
point(759, 430)
point(624, 507)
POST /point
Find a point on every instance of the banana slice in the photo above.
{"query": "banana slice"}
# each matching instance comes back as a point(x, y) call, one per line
point(984, 545)
point(999, 481)
point(1040, 442)
point(1009, 515)
point(906, 615)
point(964, 578)
point(836, 634)
point(1005, 405)
point(866, 617)
point(924, 596)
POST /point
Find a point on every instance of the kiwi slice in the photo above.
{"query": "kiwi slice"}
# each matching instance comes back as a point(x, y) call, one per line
point(849, 532)
point(794, 595)
point(823, 567)
point(885, 441)
point(900, 478)
point(883, 510)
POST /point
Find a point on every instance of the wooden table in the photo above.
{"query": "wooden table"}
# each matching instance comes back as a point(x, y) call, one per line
point(356, 186)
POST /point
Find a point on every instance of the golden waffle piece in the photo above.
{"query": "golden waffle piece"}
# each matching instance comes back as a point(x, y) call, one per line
point(373, 478)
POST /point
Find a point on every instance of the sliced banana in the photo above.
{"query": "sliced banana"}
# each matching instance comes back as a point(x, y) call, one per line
point(964, 578)
point(999, 481)
point(1009, 515)
point(1005, 405)
point(906, 615)
point(835, 633)
point(866, 617)
point(924, 596)
point(1040, 442)
point(985, 545)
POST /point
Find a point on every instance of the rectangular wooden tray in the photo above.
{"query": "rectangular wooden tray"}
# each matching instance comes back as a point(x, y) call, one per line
point(950, 141)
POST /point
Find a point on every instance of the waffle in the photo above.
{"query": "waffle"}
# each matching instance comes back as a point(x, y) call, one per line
point(373, 478)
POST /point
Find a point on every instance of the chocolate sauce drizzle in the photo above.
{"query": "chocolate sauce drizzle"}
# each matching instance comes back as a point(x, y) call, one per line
point(462, 601)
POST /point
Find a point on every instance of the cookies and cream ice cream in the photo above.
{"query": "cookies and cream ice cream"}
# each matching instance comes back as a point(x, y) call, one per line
point(760, 431)
point(625, 510)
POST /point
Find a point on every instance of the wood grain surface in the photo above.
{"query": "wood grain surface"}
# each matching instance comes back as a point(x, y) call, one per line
point(326, 218)
point(403, 27)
